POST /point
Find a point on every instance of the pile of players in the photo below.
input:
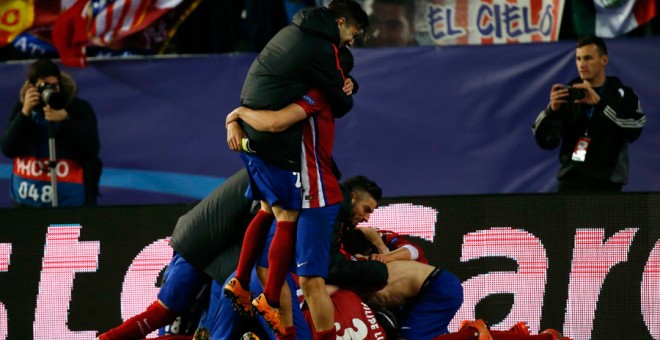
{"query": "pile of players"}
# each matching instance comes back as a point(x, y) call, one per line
point(303, 269)
point(380, 284)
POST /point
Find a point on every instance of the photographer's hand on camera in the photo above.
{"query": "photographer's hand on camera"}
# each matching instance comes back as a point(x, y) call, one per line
point(591, 97)
point(30, 100)
point(558, 97)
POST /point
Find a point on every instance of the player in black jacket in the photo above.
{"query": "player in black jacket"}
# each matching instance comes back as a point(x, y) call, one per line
point(301, 56)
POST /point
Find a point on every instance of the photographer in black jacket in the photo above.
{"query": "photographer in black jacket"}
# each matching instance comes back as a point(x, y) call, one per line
point(48, 105)
point(595, 120)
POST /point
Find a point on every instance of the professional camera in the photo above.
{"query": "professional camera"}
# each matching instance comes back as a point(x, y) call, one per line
point(50, 96)
point(575, 93)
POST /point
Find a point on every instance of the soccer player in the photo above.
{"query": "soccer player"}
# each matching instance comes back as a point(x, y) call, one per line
point(320, 205)
point(300, 55)
point(207, 241)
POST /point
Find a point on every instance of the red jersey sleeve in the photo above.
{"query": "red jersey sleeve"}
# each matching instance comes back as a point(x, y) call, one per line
point(312, 102)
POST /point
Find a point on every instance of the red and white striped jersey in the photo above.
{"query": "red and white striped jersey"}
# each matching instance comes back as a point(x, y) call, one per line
point(320, 186)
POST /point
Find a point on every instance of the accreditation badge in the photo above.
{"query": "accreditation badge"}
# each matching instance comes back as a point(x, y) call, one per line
point(580, 151)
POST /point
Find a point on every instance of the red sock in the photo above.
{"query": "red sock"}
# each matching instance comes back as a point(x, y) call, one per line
point(290, 334)
point(139, 326)
point(253, 243)
point(464, 334)
point(506, 335)
point(279, 260)
point(330, 334)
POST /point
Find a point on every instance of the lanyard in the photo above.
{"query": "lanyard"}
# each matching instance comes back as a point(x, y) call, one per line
point(590, 111)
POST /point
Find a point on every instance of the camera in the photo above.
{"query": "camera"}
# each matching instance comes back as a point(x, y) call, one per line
point(575, 93)
point(50, 96)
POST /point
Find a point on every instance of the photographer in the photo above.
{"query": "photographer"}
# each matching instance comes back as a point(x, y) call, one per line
point(594, 118)
point(48, 108)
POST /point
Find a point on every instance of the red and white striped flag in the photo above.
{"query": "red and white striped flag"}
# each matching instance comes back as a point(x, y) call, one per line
point(107, 23)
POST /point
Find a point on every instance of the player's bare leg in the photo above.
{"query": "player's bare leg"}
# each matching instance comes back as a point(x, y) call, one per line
point(319, 302)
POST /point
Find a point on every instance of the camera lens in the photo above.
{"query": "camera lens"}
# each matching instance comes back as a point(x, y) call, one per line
point(46, 94)
point(50, 97)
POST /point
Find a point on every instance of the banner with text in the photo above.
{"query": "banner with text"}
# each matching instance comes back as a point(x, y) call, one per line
point(588, 265)
point(477, 22)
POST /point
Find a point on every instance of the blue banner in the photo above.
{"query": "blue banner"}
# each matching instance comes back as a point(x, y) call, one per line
point(426, 121)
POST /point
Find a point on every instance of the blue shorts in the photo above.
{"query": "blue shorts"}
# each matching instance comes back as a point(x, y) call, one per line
point(428, 315)
point(313, 235)
point(272, 184)
point(224, 323)
point(183, 290)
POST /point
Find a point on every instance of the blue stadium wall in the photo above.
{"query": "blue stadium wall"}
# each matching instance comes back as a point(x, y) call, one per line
point(426, 121)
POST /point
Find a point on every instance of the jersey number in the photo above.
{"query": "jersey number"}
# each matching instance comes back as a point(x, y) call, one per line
point(298, 183)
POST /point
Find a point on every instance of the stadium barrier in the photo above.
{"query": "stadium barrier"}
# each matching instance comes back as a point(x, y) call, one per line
point(587, 264)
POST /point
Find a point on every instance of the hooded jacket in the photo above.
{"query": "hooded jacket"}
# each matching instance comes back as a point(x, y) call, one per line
point(300, 56)
point(76, 137)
